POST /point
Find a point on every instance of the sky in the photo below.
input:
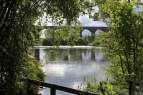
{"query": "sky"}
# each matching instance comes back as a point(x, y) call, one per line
point(86, 21)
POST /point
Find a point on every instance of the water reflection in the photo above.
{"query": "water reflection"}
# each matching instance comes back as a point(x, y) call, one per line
point(74, 54)
point(67, 67)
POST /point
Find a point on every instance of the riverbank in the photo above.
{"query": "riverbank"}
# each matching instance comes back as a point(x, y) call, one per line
point(63, 47)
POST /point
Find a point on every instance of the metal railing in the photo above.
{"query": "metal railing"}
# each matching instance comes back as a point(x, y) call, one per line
point(54, 87)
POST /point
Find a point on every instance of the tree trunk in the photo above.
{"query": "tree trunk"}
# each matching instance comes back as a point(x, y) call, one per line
point(130, 87)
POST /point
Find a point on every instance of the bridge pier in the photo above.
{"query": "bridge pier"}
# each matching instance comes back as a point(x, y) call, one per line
point(92, 31)
point(92, 35)
point(81, 33)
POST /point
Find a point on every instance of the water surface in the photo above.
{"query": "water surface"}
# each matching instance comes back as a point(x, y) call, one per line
point(68, 66)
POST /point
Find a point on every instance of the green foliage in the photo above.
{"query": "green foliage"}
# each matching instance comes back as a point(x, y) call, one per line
point(103, 87)
point(125, 45)
point(79, 41)
point(125, 48)
point(18, 34)
point(66, 10)
point(101, 39)
point(64, 35)
point(31, 69)
point(95, 43)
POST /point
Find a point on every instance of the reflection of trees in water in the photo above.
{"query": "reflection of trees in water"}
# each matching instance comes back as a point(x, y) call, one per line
point(56, 54)
point(75, 54)
point(50, 54)
point(62, 54)
point(72, 54)
point(102, 52)
point(85, 52)
point(66, 58)
point(93, 55)
point(97, 51)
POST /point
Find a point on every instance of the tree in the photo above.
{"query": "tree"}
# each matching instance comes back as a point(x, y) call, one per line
point(17, 34)
point(68, 33)
point(126, 49)
point(101, 39)
point(103, 87)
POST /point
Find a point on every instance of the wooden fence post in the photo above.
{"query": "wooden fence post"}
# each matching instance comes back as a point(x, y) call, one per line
point(53, 91)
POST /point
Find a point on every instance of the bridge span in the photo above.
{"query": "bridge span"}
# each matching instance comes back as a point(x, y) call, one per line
point(92, 29)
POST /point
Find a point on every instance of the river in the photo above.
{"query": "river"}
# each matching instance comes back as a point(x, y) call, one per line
point(67, 66)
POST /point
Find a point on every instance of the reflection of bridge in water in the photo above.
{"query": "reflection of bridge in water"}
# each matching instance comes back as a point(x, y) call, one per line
point(68, 53)
point(79, 54)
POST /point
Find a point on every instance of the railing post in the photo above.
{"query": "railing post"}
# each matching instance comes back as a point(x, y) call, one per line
point(53, 91)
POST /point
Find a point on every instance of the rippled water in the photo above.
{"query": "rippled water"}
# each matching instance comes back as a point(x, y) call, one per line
point(67, 67)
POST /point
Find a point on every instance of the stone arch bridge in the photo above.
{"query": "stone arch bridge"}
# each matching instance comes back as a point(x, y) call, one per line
point(92, 29)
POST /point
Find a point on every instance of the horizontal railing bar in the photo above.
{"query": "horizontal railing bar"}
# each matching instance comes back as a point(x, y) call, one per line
point(62, 88)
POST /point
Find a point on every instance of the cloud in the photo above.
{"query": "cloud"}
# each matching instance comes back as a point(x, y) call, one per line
point(86, 21)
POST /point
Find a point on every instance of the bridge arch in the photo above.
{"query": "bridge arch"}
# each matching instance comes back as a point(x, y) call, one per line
point(85, 32)
point(93, 29)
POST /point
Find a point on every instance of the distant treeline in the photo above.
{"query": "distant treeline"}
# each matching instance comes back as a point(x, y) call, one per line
point(100, 39)
point(80, 41)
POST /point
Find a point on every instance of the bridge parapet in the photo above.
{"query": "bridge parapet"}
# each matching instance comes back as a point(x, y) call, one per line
point(92, 29)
